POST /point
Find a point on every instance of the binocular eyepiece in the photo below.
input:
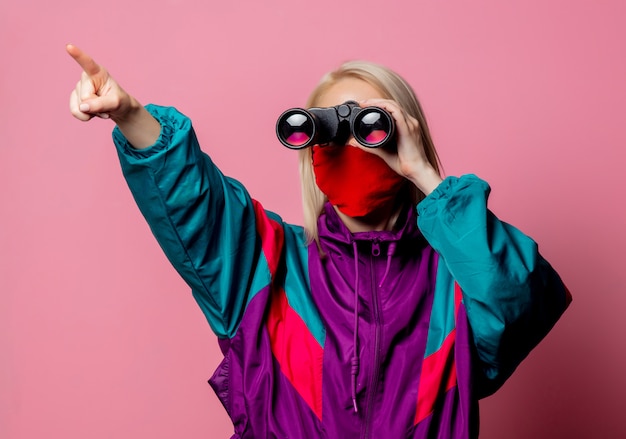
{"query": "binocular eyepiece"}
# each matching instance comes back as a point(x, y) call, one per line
point(372, 127)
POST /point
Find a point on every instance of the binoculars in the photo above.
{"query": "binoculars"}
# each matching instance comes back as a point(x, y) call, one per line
point(372, 127)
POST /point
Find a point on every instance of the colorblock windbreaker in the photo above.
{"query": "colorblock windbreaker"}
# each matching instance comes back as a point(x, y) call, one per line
point(385, 334)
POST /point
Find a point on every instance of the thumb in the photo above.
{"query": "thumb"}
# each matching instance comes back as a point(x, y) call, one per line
point(100, 105)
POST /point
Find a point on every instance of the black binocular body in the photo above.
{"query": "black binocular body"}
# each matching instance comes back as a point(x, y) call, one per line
point(372, 127)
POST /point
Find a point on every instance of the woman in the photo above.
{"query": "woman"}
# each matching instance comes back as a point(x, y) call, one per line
point(383, 319)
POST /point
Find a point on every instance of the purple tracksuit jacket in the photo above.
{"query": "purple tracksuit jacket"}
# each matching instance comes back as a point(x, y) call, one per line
point(389, 334)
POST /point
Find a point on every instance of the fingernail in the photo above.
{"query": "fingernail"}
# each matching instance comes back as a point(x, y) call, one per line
point(84, 107)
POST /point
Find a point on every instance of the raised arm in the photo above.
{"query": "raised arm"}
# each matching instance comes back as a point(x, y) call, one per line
point(205, 222)
point(97, 94)
point(512, 295)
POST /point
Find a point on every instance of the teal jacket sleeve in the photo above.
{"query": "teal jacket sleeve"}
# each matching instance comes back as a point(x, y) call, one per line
point(512, 296)
point(204, 221)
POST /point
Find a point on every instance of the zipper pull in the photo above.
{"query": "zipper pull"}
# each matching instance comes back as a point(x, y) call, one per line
point(375, 248)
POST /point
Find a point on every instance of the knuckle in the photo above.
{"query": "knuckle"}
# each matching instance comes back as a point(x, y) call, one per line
point(116, 102)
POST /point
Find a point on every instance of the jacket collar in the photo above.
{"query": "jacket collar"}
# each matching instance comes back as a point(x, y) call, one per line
point(331, 228)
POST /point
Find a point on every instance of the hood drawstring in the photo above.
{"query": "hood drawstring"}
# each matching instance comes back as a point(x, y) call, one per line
point(355, 363)
point(390, 251)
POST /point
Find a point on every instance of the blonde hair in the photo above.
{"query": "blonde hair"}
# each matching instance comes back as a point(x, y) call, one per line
point(392, 86)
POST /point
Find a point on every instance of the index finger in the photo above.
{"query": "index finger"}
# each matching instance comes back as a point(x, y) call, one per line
point(85, 61)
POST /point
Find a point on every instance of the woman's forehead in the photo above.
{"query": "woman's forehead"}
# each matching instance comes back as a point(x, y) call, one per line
point(347, 89)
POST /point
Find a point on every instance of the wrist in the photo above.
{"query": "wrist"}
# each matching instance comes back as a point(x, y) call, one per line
point(425, 177)
point(139, 127)
point(128, 111)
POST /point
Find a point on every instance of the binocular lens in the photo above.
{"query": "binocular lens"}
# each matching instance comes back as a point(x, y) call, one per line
point(373, 127)
point(295, 129)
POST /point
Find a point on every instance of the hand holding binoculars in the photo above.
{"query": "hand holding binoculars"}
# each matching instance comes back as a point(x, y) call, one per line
point(372, 127)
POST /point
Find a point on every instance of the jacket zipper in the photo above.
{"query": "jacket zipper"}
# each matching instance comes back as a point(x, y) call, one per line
point(373, 387)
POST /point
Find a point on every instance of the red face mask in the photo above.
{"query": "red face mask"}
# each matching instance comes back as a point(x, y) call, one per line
point(357, 182)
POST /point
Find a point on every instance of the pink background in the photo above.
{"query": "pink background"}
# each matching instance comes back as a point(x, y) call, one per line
point(99, 338)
